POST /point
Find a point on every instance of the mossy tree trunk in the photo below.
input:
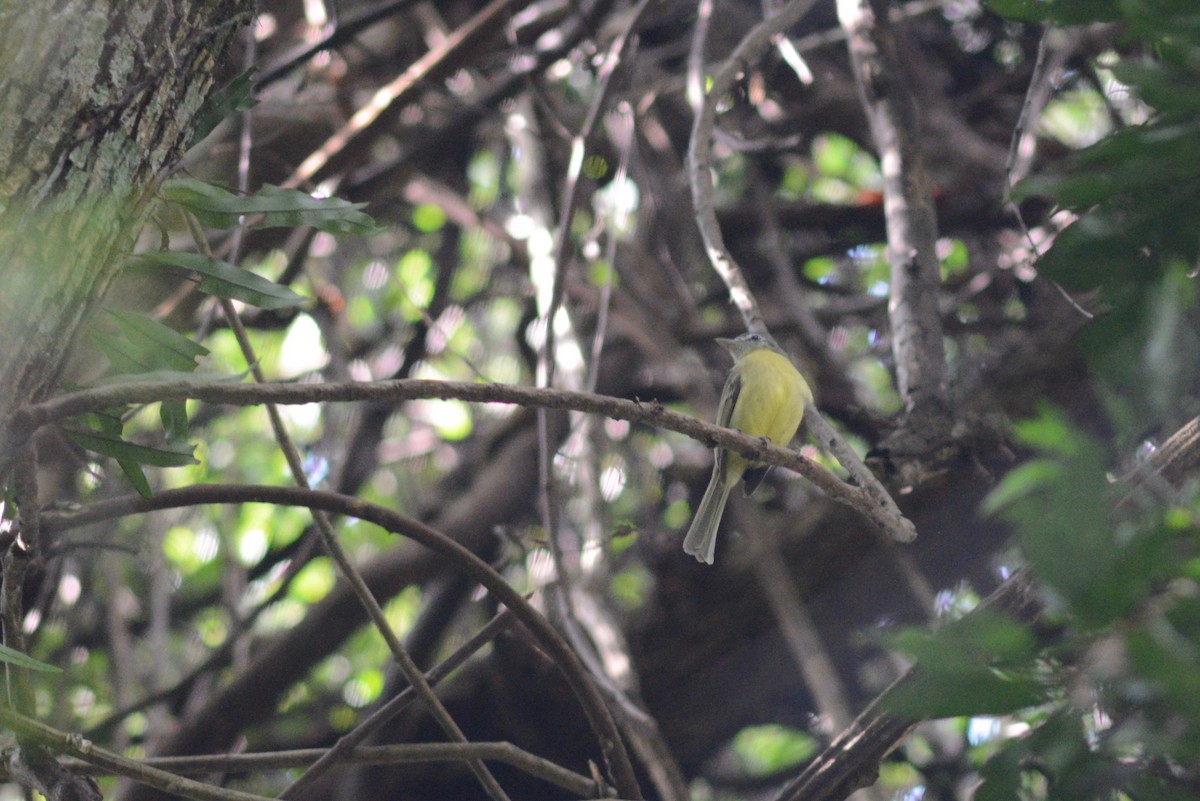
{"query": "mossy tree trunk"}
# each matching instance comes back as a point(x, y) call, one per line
point(97, 98)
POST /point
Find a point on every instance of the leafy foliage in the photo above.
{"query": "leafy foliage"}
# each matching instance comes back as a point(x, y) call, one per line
point(1137, 191)
point(224, 280)
point(1095, 700)
point(267, 207)
point(1104, 690)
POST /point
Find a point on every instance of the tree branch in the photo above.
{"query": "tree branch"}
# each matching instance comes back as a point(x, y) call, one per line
point(569, 780)
point(699, 160)
point(23, 423)
point(60, 742)
point(852, 760)
point(908, 210)
point(345, 748)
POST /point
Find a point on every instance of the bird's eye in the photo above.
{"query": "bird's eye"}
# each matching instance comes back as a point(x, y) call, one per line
point(755, 338)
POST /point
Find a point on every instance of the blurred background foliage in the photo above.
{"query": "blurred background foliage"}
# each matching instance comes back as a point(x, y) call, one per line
point(1075, 321)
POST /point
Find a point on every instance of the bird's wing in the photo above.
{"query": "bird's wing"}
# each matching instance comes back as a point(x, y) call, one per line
point(729, 397)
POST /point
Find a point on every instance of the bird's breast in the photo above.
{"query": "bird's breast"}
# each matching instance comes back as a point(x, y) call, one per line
point(772, 398)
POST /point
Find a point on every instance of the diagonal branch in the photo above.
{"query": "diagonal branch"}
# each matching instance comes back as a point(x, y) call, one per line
point(699, 160)
point(908, 211)
point(416, 679)
point(436, 62)
point(852, 760)
point(347, 744)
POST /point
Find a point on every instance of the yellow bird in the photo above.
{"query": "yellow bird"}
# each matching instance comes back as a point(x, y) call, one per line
point(764, 396)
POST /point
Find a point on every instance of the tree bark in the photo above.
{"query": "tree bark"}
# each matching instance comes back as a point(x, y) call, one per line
point(98, 97)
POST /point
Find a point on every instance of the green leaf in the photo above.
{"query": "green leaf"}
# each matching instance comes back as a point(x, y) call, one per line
point(771, 748)
point(1050, 432)
point(14, 657)
point(169, 375)
point(982, 638)
point(973, 691)
point(175, 454)
point(137, 477)
point(1002, 773)
point(225, 102)
point(1064, 12)
point(160, 345)
point(126, 357)
point(273, 206)
point(173, 415)
point(225, 280)
point(105, 423)
point(980, 664)
point(1062, 509)
point(1020, 483)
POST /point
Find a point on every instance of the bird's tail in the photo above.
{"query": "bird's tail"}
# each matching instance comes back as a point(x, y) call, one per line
point(701, 539)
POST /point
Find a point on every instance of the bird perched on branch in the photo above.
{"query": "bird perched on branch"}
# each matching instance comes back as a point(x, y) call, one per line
point(764, 396)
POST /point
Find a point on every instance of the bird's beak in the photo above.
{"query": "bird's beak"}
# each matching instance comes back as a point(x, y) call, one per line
point(727, 344)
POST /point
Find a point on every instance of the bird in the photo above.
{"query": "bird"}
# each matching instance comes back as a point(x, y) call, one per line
point(764, 396)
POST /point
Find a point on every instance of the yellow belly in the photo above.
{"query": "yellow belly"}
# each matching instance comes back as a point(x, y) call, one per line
point(772, 399)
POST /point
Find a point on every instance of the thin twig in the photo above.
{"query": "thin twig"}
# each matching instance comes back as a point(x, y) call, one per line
point(61, 742)
point(344, 749)
point(643, 731)
point(344, 31)
point(547, 360)
point(325, 528)
point(333, 546)
point(628, 714)
point(536, 766)
point(699, 160)
point(387, 96)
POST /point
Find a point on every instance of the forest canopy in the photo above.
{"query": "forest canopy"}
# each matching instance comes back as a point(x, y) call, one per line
point(358, 371)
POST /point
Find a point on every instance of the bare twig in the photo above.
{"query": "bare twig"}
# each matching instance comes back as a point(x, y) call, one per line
point(699, 161)
point(344, 749)
point(572, 782)
point(60, 742)
point(1023, 146)
point(333, 546)
point(344, 31)
point(329, 538)
point(643, 731)
point(424, 68)
point(635, 721)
